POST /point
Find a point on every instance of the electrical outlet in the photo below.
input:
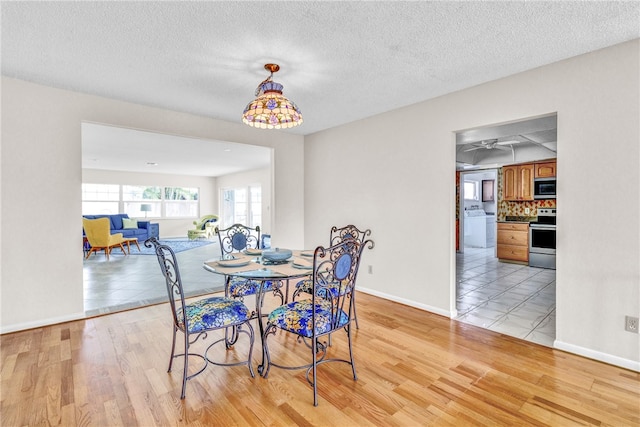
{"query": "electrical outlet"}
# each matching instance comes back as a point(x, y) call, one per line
point(631, 324)
point(527, 211)
point(371, 269)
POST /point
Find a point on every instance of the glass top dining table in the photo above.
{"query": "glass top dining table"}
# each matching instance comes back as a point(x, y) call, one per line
point(252, 266)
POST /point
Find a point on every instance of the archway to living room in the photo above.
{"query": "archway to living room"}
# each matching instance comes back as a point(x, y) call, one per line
point(505, 243)
point(181, 179)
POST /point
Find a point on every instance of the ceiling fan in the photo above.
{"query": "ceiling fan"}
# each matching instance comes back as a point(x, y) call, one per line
point(491, 144)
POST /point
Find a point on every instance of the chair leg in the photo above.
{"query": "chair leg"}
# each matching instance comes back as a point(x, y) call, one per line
point(251, 341)
point(263, 368)
point(173, 350)
point(186, 365)
point(229, 342)
point(353, 365)
point(355, 315)
point(315, 364)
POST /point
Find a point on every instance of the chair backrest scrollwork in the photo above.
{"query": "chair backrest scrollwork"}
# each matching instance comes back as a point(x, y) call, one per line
point(237, 238)
point(347, 232)
point(334, 266)
point(169, 267)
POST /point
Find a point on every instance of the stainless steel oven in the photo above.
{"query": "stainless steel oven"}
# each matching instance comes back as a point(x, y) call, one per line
point(542, 240)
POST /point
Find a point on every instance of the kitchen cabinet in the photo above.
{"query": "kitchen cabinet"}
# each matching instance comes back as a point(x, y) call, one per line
point(517, 182)
point(545, 170)
point(513, 241)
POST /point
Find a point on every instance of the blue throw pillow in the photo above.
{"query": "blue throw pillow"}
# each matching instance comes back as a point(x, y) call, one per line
point(116, 220)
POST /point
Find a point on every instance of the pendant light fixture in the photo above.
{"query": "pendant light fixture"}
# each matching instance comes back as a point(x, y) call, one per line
point(271, 109)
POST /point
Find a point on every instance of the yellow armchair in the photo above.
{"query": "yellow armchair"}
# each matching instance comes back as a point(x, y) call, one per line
point(204, 227)
point(98, 233)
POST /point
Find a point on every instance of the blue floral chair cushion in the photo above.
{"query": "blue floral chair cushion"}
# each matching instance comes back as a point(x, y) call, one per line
point(306, 286)
point(296, 317)
point(214, 312)
point(239, 287)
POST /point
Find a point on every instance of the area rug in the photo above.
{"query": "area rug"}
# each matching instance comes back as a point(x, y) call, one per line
point(177, 245)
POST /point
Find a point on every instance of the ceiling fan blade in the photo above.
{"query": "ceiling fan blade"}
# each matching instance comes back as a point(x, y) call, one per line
point(473, 148)
point(514, 141)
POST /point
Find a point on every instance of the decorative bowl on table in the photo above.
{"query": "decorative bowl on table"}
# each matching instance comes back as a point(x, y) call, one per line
point(276, 254)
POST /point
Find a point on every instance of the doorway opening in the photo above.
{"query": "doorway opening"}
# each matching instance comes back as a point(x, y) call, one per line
point(127, 158)
point(507, 297)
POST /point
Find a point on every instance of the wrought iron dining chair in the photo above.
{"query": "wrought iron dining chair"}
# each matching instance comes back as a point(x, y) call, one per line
point(324, 313)
point(198, 318)
point(336, 235)
point(239, 238)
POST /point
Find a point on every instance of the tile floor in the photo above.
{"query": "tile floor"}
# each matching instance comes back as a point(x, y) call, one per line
point(512, 299)
point(131, 281)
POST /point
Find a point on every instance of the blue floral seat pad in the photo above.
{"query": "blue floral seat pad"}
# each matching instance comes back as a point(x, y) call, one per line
point(297, 316)
point(239, 287)
point(306, 286)
point(212, 313)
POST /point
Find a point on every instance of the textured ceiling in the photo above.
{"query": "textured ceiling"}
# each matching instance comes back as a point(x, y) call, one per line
point(340, 61)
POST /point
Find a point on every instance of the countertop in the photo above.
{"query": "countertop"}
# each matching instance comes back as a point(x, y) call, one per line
point(524, 219)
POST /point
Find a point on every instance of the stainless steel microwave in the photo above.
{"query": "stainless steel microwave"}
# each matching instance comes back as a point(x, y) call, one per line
point(544, 188)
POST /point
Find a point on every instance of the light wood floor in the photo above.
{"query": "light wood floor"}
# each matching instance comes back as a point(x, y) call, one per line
point(414, 368)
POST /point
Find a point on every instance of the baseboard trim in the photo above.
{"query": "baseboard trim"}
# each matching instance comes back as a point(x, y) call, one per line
point(597, 355)
point(404, 301)
point(40, 323)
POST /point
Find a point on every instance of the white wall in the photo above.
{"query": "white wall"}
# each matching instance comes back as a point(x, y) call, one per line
point(260, 177)
point(169, 227)
point(395, 173)
point(41, 177)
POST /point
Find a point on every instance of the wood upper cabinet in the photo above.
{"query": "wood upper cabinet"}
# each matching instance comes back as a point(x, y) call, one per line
point(545, 170)
point(526, 182)
point(509, 182)
point(517, 182)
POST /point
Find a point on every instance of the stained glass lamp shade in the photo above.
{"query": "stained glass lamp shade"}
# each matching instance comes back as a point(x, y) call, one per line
point(271, 109)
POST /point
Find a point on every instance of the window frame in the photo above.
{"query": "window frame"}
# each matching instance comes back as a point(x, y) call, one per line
point(475, 196)
point(253, 218)
point(126, 202)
